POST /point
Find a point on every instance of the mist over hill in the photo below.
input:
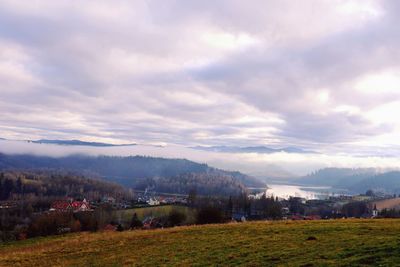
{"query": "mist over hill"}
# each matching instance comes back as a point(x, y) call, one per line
point(386, 182)
point(166, 175)
point(357, 180)
point(254, 149)
point(337, 176)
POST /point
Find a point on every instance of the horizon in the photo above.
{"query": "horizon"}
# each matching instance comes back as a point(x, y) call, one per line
point(265, 166)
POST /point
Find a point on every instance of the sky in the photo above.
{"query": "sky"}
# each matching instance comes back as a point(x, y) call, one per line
point(316, 74)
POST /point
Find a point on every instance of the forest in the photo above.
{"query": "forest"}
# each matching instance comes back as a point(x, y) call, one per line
point(138, 172)
point(35, 185)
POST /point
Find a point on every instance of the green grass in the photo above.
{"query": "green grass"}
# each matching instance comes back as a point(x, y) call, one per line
point(158, 211)
point(336, 243)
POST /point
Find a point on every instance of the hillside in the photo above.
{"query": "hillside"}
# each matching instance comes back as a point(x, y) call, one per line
point(42, 185)
point(337, 177)
point(302, 243)
point(356, 181)
point(388, 182)
point(165, 175)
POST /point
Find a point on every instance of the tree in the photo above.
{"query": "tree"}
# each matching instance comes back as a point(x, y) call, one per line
point(208, 215)
point(176, 217)
point(230, 207)
point(29, 210)
point(355, 209)
point(135, 222)
point(103, 215)
point(295, 205)
point(192, 197)
point(120, 228)
point(75, 226)
point(6, 189)
point(370, 193)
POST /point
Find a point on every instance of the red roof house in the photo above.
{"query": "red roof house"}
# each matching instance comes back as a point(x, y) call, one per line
point(65, 206)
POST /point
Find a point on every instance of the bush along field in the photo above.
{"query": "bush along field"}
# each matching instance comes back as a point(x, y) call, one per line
point(354, 242)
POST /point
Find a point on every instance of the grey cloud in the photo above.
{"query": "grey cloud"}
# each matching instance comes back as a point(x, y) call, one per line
point(85, 94)
point(278, 79)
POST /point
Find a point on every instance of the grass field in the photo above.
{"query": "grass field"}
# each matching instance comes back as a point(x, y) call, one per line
point(158, 211)
point(301, 243)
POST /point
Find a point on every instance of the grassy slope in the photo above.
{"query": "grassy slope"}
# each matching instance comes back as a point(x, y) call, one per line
point(338, 243)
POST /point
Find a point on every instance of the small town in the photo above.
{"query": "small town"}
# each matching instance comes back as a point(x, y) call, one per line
point(149, 209)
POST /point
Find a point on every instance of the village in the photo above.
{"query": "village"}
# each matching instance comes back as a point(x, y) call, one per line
point(295, 208)
point(150, 209)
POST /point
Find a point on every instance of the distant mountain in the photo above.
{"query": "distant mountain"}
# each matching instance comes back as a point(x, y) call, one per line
point(388, 182)
point(253, 149)
point(355, 180)
point(173, 175)
point(336, 177)
point(77, 143)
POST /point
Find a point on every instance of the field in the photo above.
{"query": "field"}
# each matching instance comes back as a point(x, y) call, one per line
point(392, 203)
point(300, 243)
point(158, 211)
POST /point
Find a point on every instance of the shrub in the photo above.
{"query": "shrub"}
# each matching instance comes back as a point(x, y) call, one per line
point(176, 217)
point(135, 222)
point(207, 215)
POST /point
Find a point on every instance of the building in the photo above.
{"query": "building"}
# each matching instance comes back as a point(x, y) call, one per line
point(70, 205)
point(107, 199)
point(374, 211)
point(153, 202)
point(239, 217)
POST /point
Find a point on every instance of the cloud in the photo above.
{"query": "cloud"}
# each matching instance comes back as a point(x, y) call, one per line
point(200, 73)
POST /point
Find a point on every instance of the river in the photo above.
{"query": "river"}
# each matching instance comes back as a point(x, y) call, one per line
point(307, 192)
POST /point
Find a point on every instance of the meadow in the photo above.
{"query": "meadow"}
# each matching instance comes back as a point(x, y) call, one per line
point(157, 211)
point(354, 242)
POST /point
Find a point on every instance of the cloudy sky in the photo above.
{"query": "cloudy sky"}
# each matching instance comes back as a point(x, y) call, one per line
point(321, 75)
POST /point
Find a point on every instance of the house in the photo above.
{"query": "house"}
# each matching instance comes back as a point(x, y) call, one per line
point(362, 198)
point(78, 206)
point(61, 206)
point(285, 211)
point(239, 217)
point(151, 223)
point(297, 217)
point(110, 227)
point(69, 205)
point(107, 199)
point(153, 202)
point(374, 212)
point(312, 217)
point(8, 205)
point(148, 222)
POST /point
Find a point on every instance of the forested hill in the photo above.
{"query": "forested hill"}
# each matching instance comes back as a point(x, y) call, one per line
point(387, 182)
point(355, 180)
point(341, 177)
point(44, 186)
point(169, 175)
